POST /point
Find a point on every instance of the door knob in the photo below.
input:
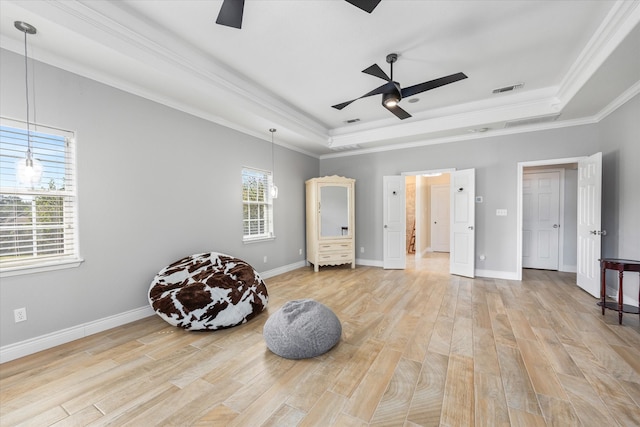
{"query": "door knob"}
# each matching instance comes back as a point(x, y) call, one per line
point(556, 225)
point(470, 227)
point(385, 226)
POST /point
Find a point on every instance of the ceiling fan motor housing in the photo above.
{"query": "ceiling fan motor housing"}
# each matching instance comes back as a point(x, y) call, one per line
point(392, 98)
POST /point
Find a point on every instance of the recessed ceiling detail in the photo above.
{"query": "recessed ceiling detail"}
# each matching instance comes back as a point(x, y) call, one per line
point(532, 121)
point(581, 65)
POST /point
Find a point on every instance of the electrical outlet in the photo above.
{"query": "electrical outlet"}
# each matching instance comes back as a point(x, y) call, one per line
point(265, 259)
point(300, 251)
point(361, 249)
point(20, 314)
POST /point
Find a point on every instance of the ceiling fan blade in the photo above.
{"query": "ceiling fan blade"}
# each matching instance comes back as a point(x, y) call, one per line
point(432, 84)
point(376, 71)
point(399, 112)
point(344, 104)
point(381, 89)
point(231, 13)
point(366, 5)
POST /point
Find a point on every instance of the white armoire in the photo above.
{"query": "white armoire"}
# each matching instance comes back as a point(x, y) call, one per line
point(331, 221)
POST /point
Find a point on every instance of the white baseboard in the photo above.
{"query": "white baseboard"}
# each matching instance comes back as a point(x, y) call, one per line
point(494, 274)
point(369, 262)
point(283, 269)
point(44, 342)
point(569, 268)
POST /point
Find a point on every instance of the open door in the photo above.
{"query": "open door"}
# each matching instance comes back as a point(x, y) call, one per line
point(394, 223)
point(589, 223)
point(463, 213)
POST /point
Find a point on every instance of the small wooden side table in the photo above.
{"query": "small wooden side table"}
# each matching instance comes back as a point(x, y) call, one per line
point(620, 265)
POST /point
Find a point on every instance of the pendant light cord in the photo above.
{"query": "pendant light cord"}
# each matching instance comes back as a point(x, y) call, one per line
point(26, 91)
point(273, 157)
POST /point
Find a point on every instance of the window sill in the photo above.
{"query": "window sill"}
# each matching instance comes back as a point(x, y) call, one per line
point(258, 239)
point(54, 265)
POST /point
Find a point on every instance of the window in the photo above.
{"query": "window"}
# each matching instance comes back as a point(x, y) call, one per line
point(257, 205)
point(38, 227)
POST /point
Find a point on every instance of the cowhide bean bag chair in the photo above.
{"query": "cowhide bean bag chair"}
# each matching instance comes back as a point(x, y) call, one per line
point(208, 291)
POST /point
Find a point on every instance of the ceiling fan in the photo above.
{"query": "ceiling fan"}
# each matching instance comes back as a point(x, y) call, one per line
point(391, 91)
point(231, 11)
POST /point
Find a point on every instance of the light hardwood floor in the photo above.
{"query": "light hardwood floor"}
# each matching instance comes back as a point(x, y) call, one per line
point(419, 348)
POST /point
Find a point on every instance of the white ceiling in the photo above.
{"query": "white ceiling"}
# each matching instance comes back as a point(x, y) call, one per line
point(293, 60)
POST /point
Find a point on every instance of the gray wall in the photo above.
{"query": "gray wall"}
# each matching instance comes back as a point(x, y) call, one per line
point(620, 139)
point(495, 160)
point(155, 184)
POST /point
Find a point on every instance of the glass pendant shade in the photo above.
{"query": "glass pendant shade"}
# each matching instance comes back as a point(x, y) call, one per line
point(28, 171)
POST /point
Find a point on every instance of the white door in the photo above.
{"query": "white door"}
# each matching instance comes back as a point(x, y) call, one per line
point(463, 194)
point(394, 222)
point(589, 223)
point(440, 217)
point(540, 220)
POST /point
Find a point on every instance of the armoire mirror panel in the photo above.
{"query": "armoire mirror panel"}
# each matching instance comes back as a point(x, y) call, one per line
point(330, 221)
point(334, 211)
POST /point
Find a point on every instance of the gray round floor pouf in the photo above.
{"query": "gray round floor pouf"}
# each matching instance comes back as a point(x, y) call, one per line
point(301, 329)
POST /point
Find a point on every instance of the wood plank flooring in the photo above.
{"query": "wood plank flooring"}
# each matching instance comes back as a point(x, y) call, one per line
point(419, 348)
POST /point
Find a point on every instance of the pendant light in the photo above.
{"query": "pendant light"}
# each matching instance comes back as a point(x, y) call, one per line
point(29, 169)
point(274, 188)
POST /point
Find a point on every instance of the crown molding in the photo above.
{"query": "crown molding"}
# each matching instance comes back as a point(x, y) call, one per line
point(596, 118)
point(622, 18)
point(159, 50)
point(121, 29)
point(472, 115)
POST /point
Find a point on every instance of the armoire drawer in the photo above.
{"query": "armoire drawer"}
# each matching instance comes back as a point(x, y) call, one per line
point(334, 256)
point(334, 247)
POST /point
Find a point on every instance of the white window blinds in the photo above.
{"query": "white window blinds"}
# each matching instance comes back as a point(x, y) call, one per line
point(38, 218)
point(257, 206)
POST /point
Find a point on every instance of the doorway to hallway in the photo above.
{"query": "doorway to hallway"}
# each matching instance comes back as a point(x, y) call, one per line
point(427, 219)
point(437, 262)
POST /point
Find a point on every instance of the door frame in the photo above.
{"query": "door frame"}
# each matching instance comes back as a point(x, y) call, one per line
point(519, 211)
point(419, 225)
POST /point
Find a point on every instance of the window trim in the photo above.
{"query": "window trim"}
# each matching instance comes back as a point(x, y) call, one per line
point(43, 267)
point(269, 204)
point(65, 260)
